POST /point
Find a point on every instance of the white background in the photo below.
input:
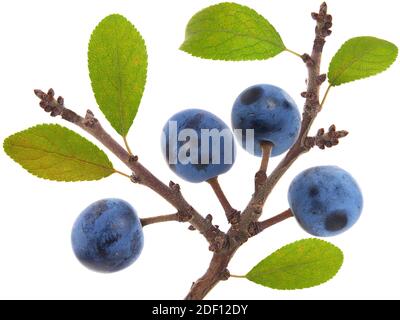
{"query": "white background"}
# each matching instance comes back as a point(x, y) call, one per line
point(44, 44)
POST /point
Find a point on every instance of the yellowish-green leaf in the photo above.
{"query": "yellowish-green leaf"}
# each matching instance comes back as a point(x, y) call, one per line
point(229, 31)
point(302, 264)
point(118, 69)
point(56, 153)
point(360, 58)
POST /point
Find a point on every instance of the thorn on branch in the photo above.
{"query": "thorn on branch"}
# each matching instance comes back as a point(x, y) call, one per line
point(326, 140)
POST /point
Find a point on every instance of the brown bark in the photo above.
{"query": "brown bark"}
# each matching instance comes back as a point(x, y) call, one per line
point(216, 272)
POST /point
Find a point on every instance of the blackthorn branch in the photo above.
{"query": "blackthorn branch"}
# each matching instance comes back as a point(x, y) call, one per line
point(243, 225)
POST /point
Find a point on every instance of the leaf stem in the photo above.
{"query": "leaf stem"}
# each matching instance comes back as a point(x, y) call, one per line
point(294, 53)
point(237, 276)
point(325, 96)
point(127, 146)
point(122, 174)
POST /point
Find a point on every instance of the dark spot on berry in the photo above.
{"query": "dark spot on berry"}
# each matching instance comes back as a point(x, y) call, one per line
point(286, 104)
point(313, 191)
point(251, 95)
point(336, 221)
point(107, 240)
point(110, 239)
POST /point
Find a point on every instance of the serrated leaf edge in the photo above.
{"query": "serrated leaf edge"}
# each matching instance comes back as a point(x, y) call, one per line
point(146, 69)
point(234, 60)
point(372, 75)
point(293, 243)
point(5, 144)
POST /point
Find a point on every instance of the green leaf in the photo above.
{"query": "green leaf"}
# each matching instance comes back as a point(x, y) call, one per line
point(229, 31)
point(118, 69)
point(360, 58)
point(302, 264)
point(56, 153)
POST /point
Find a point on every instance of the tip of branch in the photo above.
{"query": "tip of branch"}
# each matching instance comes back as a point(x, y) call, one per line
point(343, 133)
point(324, 8)
point(326, 140)
point(51, 93)
point(324, 21)
point(39, 93)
